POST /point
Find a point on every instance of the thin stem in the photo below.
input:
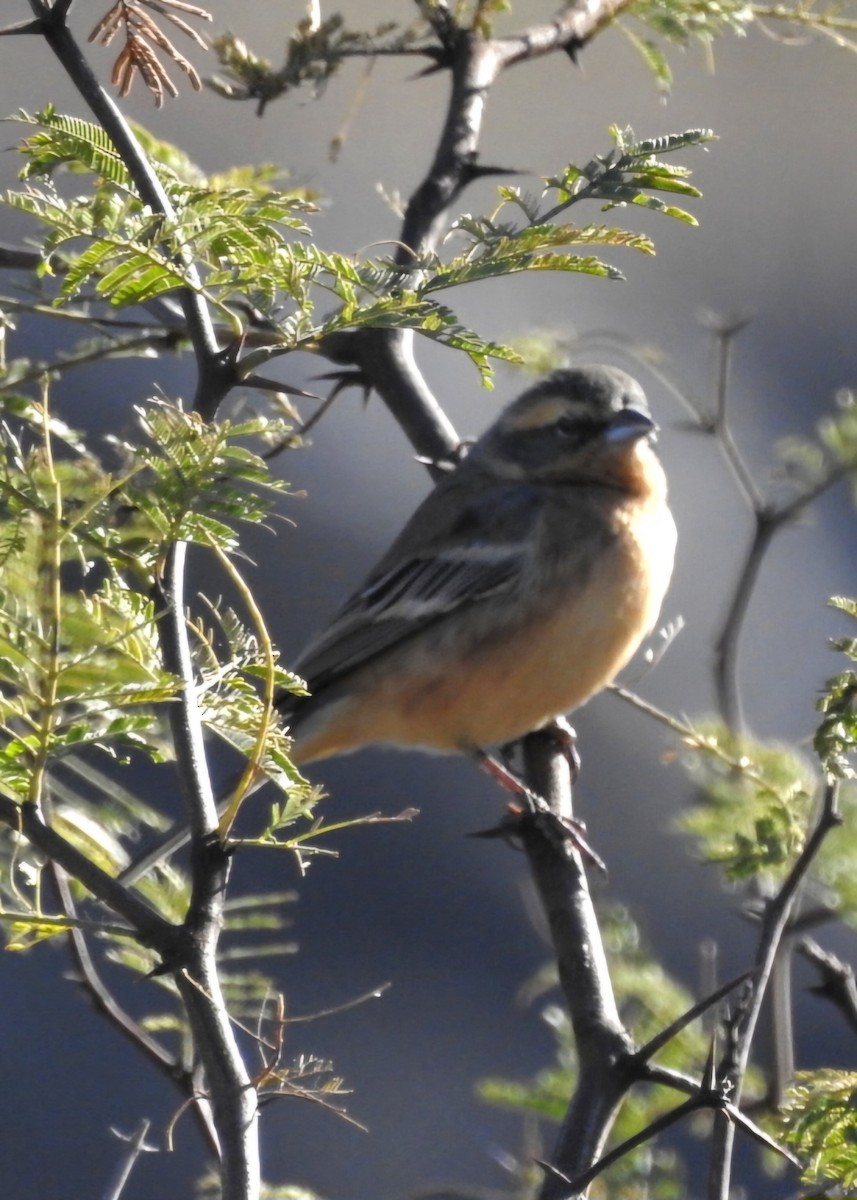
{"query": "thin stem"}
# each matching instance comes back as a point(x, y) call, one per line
point(184, 716)
point(136, 1147)
point(774, 925)
point(720, 425)
point(728, 642)
point(768, 523)
point(105, 1003)
point(51, 614)
point(153, 930)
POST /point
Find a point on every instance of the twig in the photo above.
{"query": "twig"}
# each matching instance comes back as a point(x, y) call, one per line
point(386, 356)
point(105, 1003)
point(727, 644)
point(136, 1146)
point(837, 980)
point(651, 1048)
point(768, 519)
point(774, 924)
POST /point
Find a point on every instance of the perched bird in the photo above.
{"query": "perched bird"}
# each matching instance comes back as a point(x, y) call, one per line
point(517, 590)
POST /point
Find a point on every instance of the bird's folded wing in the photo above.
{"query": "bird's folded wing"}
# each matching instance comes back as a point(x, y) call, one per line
point(407, 595)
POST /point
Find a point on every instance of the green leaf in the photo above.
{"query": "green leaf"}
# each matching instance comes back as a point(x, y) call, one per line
point(71, 142)
point(755, 802)
point(681, 21)
point(651, 54)
point(836, 737)
point(820, 1124)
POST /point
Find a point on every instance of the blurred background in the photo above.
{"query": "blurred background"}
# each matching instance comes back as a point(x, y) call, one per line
point(447, 920)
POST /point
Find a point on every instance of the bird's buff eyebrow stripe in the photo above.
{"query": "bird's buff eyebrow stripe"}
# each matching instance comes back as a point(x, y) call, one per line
point(543, 415)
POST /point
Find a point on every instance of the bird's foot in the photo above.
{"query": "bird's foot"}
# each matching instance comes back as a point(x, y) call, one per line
point(535, 809)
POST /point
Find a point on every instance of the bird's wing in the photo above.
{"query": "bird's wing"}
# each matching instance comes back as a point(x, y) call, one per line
point(421, 580)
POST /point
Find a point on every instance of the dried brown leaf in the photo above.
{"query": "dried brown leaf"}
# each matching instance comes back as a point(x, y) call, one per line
point(143, 36)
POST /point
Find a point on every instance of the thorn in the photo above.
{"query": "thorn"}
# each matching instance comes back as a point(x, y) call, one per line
point(426, 71)
point(346, 379)
point(551, 1170)
point(475, 170)
point(709, 1075)
point(36, 26)
point(507, 828)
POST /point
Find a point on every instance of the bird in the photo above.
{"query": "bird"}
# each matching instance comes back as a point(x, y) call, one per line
point(519, 588)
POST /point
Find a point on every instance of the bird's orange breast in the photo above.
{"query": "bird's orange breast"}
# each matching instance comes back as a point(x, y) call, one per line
point(577, 638)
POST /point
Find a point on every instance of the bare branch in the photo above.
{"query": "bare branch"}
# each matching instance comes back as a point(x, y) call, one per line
point(837, 982)
point(104, 1002)
point(602, 1041)
point(774, 924)
point(570, 30)
point(136, 1146)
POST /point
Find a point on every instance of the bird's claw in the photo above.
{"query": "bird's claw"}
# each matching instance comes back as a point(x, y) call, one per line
point(563, 830)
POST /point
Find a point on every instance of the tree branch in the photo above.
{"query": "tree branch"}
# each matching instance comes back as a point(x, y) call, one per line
point(570, 30)
point(385, 359)
point(137, 1146)
point(385, 356)
point(774, 924)
point(602, 1042)
point(231, 1094)
point(104, 1002)
point(837, 980)
point(151, 928)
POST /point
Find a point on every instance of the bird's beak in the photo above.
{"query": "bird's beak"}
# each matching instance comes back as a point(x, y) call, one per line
point(628, 425)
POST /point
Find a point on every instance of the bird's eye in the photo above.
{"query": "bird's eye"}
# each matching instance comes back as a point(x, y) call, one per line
point(577, 429)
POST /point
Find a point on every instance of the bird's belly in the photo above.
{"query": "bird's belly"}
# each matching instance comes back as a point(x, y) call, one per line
point(522, 682)
point(446, 694)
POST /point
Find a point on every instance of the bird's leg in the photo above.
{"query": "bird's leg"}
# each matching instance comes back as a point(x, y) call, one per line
point(507, 778)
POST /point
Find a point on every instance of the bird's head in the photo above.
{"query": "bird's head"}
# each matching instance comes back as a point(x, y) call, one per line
point(588, 424)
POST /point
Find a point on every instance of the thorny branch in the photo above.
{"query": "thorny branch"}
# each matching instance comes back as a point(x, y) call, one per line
point(774, 924)
point(385, 359)
point(232, 1097)
point(768, 520)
